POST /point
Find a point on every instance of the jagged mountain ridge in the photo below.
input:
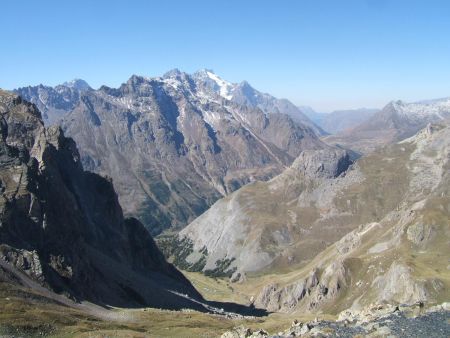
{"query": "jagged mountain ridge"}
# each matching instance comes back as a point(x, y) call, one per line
point(77, 84)
point(63, 227)
point(54, 103)
point(174, 144)
point(243, 93)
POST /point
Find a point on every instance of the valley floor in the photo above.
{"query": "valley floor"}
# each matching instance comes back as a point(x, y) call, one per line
point(26, 313)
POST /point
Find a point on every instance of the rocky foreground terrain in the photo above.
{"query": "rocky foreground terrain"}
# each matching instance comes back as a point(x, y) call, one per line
point(62, 228)
point(175, 144)
point(377, 321)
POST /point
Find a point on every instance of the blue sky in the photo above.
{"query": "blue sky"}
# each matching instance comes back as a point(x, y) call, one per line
point(333, 54)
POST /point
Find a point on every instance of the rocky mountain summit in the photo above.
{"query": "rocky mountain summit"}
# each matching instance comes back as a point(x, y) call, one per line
point(175, 144)
point(396, 121)
point(62, 228)
point(244, 94)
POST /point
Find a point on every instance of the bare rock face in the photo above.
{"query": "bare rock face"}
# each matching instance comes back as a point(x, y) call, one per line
point(64, 228)
point(398, 285)
point(419, 233)
point(24, 260)
point(318, 288)
point(175, 144)
point(284, 298)
point(326, 163)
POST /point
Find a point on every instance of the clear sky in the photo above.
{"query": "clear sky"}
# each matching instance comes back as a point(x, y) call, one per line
point(331, 54)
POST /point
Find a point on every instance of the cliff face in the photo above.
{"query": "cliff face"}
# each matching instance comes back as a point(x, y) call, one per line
point(64, 227)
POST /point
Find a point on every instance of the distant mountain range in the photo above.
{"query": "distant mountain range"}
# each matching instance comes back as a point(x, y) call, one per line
point(279, 217)
point(175, 144)
point(251, 189)
point(396, 121)
point(339, 120)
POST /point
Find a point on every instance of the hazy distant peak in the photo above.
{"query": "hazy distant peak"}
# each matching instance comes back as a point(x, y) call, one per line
point(204, 71)
point(442, 99)
point(244, 84)
point(173, 73)
point(308, 111)
point(78, 84)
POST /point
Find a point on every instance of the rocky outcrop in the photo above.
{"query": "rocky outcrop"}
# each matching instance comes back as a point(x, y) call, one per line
point(312, 291)
point(175, 144)
point(326, 163)
point(419, 233)
point(378, 320)
point(64, 228)
point(275, 298)
point(398, 285)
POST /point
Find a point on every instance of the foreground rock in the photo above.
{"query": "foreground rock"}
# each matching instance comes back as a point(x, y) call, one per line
point(62, 228)
point(380, 321)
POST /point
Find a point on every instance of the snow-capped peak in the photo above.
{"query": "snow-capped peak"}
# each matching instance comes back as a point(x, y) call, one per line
point(222, 87)
point(173, 73)
point(77, 84)
point(439, 108)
